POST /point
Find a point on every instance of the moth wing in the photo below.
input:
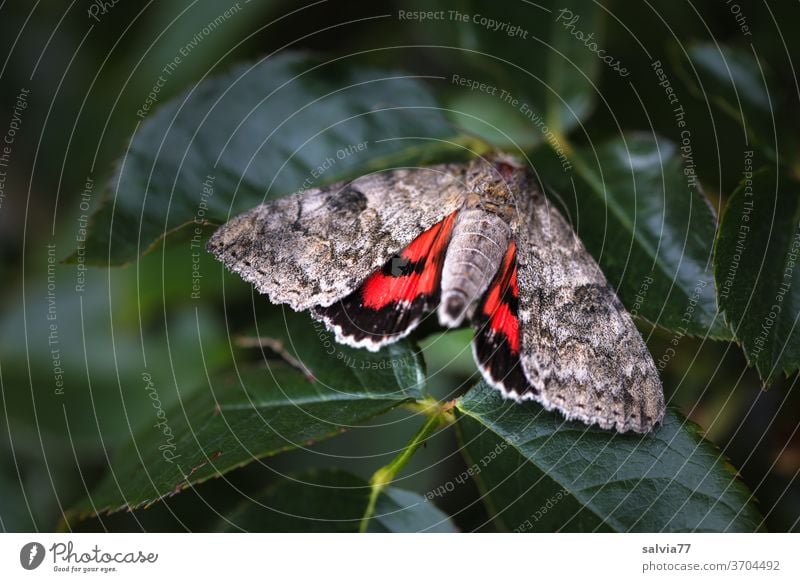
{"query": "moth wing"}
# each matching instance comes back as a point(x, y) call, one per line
point(581, 351)
point(392, 301)
point(496, 345)
point(315, 247)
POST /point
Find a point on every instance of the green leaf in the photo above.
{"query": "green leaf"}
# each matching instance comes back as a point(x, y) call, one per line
point(258, 413)
point(737, 85)
point(540, 473)
point(649, 226)
point(333, 501)
point(756, 267)
point(77, 377)
point(399, 510)
point(261, 130)
point(539, 78)
point(16, 515)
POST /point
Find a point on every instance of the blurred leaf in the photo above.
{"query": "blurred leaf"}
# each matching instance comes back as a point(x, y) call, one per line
point(540, 472)
point(650, 229)
point(333, 501)
point(734, 81)
point(186, 24)
point(259, 413)
point(124, 322)
point(539, 76)
point(517, 493)
point(399, 510)
point(756, 264)
point(261, 130)
point(79, 382)
point(15, 515)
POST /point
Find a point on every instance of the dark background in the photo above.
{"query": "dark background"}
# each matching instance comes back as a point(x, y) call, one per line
point(86, 80)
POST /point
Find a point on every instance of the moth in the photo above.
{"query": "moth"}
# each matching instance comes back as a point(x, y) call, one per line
point(475, 242)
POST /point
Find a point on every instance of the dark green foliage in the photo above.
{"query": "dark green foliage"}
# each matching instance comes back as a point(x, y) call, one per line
point(171, 408)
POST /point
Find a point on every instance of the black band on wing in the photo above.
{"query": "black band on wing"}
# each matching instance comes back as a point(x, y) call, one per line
point(391, 302)
point(364, 327)
point(497, 334)
point(501, 367)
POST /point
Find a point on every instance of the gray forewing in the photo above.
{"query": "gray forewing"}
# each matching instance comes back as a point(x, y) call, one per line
point(580, 347)
point(315, 247)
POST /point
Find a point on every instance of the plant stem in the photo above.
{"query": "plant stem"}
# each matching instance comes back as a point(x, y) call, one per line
point(386, 474)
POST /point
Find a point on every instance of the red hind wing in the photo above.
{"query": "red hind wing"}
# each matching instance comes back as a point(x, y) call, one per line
point(497, 332)
point(391, 302)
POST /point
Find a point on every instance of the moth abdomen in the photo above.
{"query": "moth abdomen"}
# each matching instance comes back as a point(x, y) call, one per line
point(477, 246)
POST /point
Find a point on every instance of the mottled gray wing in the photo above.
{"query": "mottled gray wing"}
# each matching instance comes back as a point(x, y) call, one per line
point(314, 247)
point(580, 349)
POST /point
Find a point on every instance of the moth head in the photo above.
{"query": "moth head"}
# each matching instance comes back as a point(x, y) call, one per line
point(505, 163)
point(496, 174)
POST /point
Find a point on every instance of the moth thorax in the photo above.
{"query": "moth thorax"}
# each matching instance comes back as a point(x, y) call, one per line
point(475, 253)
